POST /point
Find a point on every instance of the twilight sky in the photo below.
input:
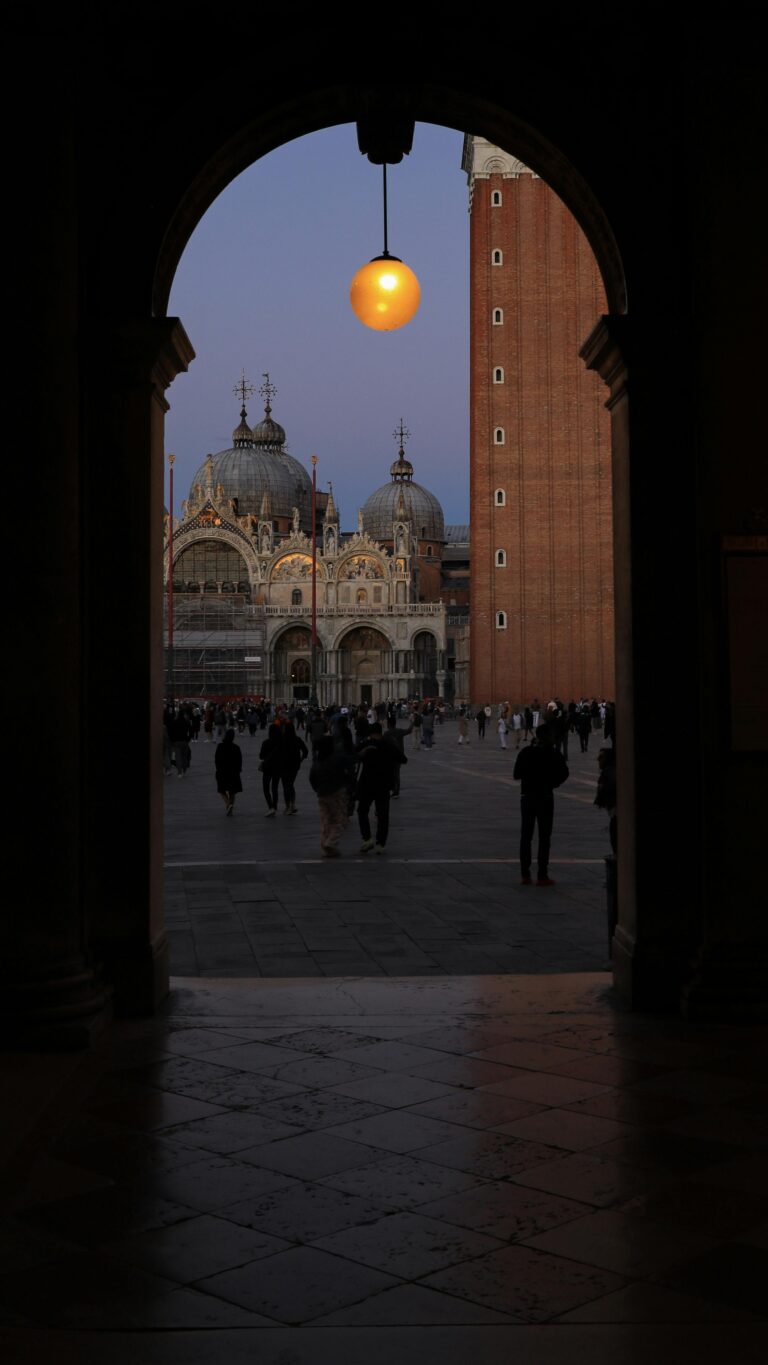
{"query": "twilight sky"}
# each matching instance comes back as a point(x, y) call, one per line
point(264, 285)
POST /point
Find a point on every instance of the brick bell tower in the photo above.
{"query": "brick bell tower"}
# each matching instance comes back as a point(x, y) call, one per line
point(540, 470)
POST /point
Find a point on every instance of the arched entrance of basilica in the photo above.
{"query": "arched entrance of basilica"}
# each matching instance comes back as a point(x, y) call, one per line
point(365, 666)
point(684, 909)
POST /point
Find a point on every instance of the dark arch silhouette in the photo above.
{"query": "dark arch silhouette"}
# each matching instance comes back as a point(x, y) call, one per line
point(313, 110)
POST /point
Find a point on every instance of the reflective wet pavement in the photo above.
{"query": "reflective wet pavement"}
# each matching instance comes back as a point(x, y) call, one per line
point(495, 1167)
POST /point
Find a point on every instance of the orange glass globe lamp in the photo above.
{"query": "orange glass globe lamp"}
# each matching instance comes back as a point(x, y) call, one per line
point(385, 294)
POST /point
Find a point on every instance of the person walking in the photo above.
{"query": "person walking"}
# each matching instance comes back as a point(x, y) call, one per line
point(293, 751)
point(606, 789)
point(539, 768)
point(416, 727)
point(219, 724)
point(464, 727)
point(269, 756)
point(396, 737)
point(228, 761)
point(374, 784)
point(481, 719)
point(329, 778)
point(427, 727)
point(501, 727)
point(517, 725)
point(181, 738)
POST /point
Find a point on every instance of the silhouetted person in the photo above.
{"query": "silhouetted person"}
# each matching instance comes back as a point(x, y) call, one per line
point(229, 765)
point(378, 760)
point(606, 789)
point(539, 768)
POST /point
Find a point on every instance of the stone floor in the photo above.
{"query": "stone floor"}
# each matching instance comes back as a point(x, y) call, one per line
point(494, 1168)
point(252, 897)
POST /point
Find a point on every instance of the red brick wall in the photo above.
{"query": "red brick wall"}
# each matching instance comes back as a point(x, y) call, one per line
point(554, 466)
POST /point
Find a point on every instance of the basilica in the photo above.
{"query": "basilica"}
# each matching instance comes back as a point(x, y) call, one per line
point(238, 574)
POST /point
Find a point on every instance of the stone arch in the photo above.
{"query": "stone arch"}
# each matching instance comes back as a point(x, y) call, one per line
point(156, 348)
point(224, 551)
point(309, 112)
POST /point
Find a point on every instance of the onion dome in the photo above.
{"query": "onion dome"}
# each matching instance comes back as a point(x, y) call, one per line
point(403, 494)
point(257, 464)
point(242, 435)
point(268, 434)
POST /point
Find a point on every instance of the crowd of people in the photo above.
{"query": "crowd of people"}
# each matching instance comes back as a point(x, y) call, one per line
point(580, 718)
point(356, 755)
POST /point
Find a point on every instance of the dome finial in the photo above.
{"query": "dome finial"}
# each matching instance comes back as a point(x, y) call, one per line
point(243, 390)
point(268, 392)
point(241, 436)
point(402, 469)
point(267, 434)
point(401, 435)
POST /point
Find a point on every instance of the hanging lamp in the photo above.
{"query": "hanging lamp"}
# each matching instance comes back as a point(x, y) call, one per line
point(385, 294)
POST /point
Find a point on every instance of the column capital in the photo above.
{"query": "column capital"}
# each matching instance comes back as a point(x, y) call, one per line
point(605, 352)
point(154, 349)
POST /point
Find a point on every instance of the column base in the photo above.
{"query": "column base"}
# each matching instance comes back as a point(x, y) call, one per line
point(728, 982)
point(139, 975)
point(648, 979)
point(62, 1012)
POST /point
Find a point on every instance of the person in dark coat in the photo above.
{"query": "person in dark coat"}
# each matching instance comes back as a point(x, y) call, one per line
point(293, 751)
point(606, 789)
point(329, 778)
point(181, 738)
point(269, 755)
point(229, 765)
point(378, 760)
point(539, 768)
point(396, 737)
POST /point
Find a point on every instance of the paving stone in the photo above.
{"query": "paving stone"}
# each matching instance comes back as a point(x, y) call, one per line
point(408, 1245)
point(297, 1285)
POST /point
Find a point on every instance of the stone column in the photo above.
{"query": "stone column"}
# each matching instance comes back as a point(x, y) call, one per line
point(130, 368)
point(652, 941)
point(52, 995)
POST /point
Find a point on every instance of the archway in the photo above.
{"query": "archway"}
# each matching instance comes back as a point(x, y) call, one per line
point(290, 671)
point(365, 665)
point(426, 663)
point(437, 105)
point(427, 670)
point(95, 254)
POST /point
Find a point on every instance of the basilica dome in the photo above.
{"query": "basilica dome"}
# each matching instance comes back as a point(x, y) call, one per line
point(255, 464)
point(422, 508)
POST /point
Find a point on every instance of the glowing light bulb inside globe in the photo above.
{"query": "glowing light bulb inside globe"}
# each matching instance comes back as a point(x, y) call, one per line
point(385, 294)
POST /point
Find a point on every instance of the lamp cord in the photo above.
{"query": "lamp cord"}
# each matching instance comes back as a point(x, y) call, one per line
point(384, 168)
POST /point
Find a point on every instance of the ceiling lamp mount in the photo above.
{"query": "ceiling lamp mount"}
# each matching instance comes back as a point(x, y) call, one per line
point(385, 294)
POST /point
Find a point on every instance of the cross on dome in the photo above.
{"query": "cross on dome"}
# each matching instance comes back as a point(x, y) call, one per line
point(401, 470)
point(243, 390)
point(268, 392)
point(401, 435)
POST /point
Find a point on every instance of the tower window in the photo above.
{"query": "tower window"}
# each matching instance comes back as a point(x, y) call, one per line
point(498, 317)
point(500, 497)
point(501, 559)
point(501, 620)
point(498, 436)
point(497, 258)
point(429, 549)
point(498, 375)
point(495, 199)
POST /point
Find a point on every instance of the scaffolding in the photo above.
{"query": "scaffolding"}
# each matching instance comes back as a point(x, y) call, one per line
point(219, 646)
